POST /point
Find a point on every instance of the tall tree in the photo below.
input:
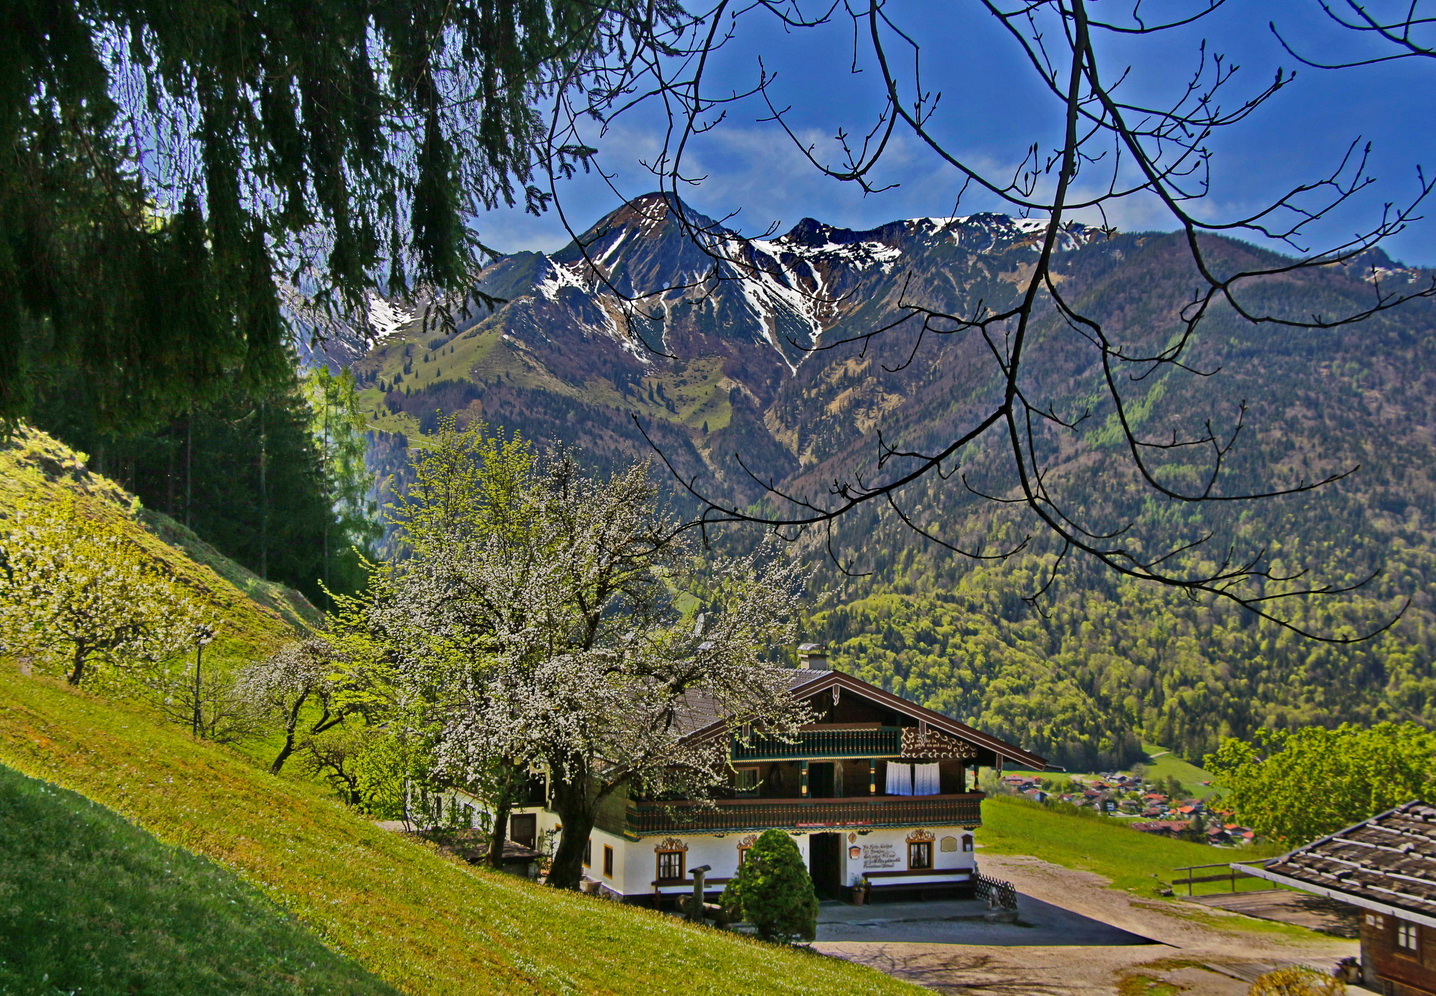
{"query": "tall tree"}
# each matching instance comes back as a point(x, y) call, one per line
point(535, 622)
point(77, 592)
point(340, 433)
point(1296, 786)
point(597, 663)
point(165, 166)
point(245, 469)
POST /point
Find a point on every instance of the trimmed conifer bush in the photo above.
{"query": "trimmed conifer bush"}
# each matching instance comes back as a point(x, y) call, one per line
point(1296, 980)
point(773, 891)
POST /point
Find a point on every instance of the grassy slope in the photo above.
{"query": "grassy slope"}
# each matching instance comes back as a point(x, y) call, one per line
point(254, 615)
point(1137, 862)
point(1168, 765)
point(91, 903)
point(416, 919)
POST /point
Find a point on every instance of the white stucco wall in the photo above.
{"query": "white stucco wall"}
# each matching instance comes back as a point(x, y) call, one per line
point(635, 863)
point(886, 850)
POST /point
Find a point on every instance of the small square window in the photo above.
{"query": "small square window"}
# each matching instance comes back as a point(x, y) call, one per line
point(1406, 936)
point(745, 781)
point(919, 854)
point(607, 861)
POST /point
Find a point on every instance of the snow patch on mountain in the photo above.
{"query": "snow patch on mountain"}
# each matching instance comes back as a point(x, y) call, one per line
point(386, 319)
point(556, 277)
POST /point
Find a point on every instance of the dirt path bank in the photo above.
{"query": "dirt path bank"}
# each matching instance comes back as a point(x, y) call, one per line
point(957, 959)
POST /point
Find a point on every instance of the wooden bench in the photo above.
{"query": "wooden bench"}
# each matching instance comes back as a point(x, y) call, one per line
point(920, 880)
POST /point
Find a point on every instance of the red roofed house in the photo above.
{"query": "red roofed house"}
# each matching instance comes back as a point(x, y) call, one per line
point(1165, 828)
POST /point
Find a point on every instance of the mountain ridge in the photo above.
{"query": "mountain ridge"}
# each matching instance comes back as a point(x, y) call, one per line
point(739, 388)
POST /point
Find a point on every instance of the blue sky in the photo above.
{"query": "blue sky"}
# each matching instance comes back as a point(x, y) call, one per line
point(993, 108)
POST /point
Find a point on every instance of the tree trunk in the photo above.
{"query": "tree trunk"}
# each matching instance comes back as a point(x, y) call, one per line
point(284, 753)
point(263, 494)
point(503, 806)
point(575, 812)
point(78, 671)
point(291, 725)
point(188, 469)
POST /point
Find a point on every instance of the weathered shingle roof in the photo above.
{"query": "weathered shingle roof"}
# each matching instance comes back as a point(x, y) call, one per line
point(697, 710)
point(1387, 863)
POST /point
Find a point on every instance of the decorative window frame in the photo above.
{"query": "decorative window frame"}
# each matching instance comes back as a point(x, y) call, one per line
point(744, 846)
point(670, 846)
point(921, 842)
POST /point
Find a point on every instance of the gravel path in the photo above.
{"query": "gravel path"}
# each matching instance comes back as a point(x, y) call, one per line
point(1071, 946)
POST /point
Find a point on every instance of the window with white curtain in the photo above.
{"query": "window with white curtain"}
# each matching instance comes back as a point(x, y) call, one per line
point(913, 779)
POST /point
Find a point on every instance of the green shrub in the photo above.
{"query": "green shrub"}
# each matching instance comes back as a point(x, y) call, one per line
point(773, 892)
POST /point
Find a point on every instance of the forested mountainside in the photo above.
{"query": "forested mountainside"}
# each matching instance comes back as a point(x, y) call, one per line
point(753, 357)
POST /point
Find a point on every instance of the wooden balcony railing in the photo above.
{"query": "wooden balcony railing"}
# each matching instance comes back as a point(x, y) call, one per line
point(882, 742)
point(737, 815)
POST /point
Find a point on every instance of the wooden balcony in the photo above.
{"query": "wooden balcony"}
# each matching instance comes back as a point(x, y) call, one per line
point(877, 741)
point(647, 819)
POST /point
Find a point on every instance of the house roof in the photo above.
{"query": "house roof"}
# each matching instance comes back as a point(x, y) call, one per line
point(701, 715)
point(1386, 863)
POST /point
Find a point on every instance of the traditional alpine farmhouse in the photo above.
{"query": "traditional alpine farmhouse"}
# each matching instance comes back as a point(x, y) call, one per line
point(1387, 867)
point(879, 793)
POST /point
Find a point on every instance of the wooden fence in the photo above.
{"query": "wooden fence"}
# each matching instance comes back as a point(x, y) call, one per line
point(1230, 874)
point(997, 892)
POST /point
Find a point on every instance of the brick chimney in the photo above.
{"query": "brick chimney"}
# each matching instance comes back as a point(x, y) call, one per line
point(813, 656)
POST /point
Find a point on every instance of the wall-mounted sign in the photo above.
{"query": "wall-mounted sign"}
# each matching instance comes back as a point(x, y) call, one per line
point(877, 857)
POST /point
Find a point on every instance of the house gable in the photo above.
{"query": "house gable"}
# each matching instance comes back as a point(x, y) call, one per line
point(840, 698)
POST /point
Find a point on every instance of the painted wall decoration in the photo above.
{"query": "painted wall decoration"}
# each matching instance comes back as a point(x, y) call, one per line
point(925, 743)
point(877, 857)
point(949, 843)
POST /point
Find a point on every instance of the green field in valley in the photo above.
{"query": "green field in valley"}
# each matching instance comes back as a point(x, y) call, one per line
point(1136, 862)
point(1161, 764)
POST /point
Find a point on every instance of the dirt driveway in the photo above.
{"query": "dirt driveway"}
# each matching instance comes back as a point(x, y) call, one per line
point(1082, 938)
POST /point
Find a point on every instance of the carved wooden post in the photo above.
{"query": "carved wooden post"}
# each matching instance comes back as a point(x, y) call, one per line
point(695, 910)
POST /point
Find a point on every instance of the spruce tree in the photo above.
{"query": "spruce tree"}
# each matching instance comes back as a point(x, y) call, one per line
point(165, 166)
point(773, 890)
